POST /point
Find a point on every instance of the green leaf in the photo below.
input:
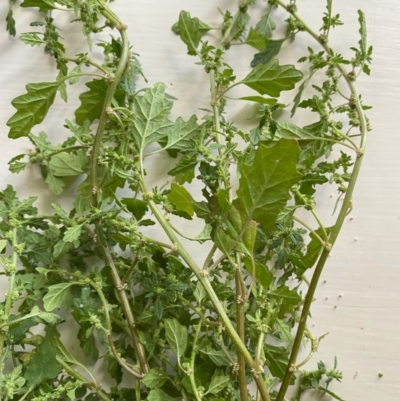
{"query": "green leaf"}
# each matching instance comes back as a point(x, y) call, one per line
point(219, 357)
point(91, 101)
point(184, 169)
point(155, 378)
point(74, 79)
point(205, 234)
point(10, 26)
point(67, 164)
point(363, 33)
point(271, 78)
point(203, 28)
point(297, 98)
point(262, 274)
point(55, 184)
point(256, 39)
point(181, 199)
point(58, 296)
point(271, 50)
point(266, 25)
point(177, 336)
point(288, 299)
point(285, 331)
point(73, 233)
point(31, 108)
point(149, 120)
point(218, 383)
point(44, 5)
point(277, 360)
point(199, 293)
point(42, 365)
point(235, 224)
point(189, 31)
point(179, 135)
point(260, 99)
point(15, 165)
point(43, 317)
point(31, 39)
point(137, 207)
point(159, 395)
point(288, 130)
point(264, 186)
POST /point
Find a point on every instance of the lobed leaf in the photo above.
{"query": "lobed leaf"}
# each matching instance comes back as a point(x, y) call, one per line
point(31, 108)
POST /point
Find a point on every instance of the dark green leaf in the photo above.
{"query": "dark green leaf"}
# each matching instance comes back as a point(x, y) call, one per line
point(219, 357)
point(91, 101)
point(184, 169)
point(181, 199)
point(31, 108)
point(271, 78)
point(263, 275)
point(177, 336)
point(264, 186)
point(271, 50)
point(42, 365)
point(189, 31)
point(137, 207)
point(277, 360)
point(10, 27)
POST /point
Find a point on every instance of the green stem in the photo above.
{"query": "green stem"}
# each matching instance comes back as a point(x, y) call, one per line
point(240, 323)
point(192, 361)
point(340, 220)
point(212, 296)
point(8, 302)
point(331, 393)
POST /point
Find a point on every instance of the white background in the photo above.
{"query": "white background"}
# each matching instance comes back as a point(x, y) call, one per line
point(364, 322)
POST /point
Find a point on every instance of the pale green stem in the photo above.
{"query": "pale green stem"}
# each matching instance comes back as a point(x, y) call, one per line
point(340, 220)
point(309, 229)
point(192, 362)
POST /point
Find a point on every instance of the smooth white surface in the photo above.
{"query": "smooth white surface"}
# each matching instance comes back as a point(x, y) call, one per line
point(364, 326)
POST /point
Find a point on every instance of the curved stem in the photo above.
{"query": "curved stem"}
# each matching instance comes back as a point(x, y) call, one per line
point(192, 361)
point(340, 220)
point(309, 229)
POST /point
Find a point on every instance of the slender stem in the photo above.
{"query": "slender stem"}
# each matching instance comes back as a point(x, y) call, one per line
point(137, 390)
point(209, 257)
point(212, 296)
point(331, 393)
point(321, 226)
point(88, 61)
point(340, 220)
point(9, 301)
point(192, 361)
point(240, 323)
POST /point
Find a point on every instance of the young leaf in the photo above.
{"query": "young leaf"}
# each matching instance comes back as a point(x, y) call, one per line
point(189, 31)
point(288, 130)
point(177, 336)
point(262, 274)
point(55, 184)
point(264, 186)
point(181, 199)
point(271, 50)
point(42, 365)
point(184, 169)
point(266, 25)
point(260, 99)
point(277, 360)
point(91, 101)
point(218, 383)
point(271, 78)
point(59, 295)
point(31, 108)
point(297, 98)
point(150, 121)
point(31, 39)
point(363, 33)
